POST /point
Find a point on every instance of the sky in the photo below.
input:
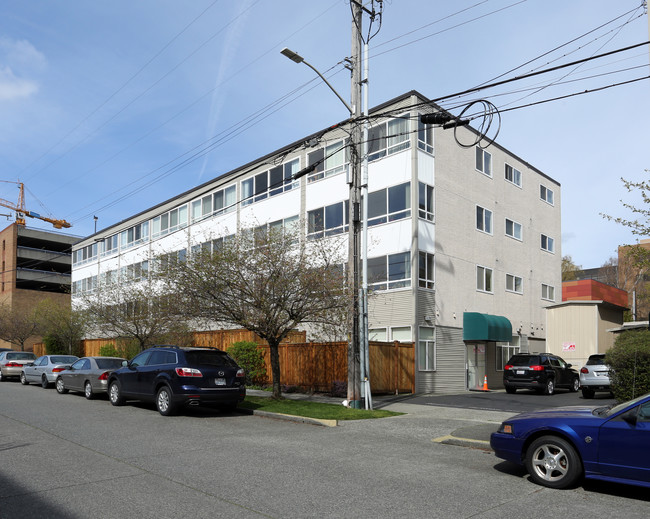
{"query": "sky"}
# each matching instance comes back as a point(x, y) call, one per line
point(109, 108)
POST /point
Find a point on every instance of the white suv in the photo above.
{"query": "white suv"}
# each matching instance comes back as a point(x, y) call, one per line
point(594, 376)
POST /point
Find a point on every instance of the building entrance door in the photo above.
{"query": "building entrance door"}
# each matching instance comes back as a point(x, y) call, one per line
point(475, 365)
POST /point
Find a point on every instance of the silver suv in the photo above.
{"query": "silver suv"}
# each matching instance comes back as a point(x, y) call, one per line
point(594, 376)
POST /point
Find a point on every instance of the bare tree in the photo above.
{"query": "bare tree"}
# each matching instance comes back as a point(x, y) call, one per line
point(266, 281)
point(139, 310)
point(17, 326)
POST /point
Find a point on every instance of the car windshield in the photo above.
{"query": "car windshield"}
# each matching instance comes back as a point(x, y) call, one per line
point(63, 359)
point(209, 358)
point(613, 409)
point(525, 360)
point(109, 363)
point(596, 360)
point(20, 355)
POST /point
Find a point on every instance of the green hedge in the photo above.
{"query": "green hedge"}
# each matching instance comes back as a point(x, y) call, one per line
point(249, 357)
point(629, 361)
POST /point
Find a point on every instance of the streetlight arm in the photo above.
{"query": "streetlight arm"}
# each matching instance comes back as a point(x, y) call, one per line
point(297, 58)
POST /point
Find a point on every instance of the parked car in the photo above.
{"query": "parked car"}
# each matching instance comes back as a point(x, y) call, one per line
point(45, 369)
point(559, 446)
point(12, 362)
point(543, 372)
point(594, 376)
point(171, 376)
point(88, 374)
point(5, 349)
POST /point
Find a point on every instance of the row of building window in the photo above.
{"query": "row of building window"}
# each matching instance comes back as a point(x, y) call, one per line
point(484, 283)
point(512, 229)
point(511, 174)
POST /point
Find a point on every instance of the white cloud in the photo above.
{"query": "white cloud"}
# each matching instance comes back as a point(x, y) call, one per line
point(12, 87)
point(21, 54)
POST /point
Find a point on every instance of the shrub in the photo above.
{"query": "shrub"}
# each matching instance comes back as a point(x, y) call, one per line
point(108, 350)
point(251, 358)
point(54, 347)
point(629, 361)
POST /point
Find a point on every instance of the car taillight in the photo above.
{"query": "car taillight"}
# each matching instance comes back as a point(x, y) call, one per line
point(507, 366)
point(104, 376)
point(240, 373)
point(13, 365)
point(188, 372)
point(537, 368)
point(58, 370)
point(584, 370)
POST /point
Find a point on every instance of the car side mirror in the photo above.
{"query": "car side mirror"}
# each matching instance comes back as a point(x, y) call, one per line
point(630, 416)
point(569, 365)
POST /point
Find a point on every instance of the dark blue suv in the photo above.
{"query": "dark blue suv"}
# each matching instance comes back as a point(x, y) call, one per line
point(171, 377)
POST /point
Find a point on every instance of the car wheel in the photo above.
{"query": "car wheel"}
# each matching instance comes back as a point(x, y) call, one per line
point(575, 385)
point(549, 388)
point(88, 391)
point(60, 386)
point(164, 402)
point(553, 462)
point(588, 393)
point(23, 379)
point(115, 394)
point(44, 382)
point(511, 390)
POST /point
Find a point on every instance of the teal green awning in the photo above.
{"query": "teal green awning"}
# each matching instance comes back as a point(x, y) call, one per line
point(486, 327)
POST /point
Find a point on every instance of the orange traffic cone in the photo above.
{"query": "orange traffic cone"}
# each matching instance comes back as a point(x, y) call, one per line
point(485, 387)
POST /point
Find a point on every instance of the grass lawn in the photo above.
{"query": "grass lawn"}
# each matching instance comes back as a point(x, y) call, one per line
point(312, 409)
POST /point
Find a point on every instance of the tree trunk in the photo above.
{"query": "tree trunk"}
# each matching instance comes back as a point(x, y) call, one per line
point(275, 368)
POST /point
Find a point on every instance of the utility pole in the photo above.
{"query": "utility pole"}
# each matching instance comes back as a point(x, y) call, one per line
point(354, 258)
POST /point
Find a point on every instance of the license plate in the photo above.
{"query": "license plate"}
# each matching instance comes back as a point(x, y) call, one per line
point(220, 381)
point(521, 372)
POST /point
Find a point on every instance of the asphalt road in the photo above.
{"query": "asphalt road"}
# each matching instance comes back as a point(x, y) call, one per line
point(63, 456)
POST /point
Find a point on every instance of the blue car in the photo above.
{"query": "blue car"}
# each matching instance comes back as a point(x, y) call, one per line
point(559, 446)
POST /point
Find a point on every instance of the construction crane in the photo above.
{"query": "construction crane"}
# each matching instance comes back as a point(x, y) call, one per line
point(21, 212)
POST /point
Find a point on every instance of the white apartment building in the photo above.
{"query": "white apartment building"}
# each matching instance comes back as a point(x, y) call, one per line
point(464, 243)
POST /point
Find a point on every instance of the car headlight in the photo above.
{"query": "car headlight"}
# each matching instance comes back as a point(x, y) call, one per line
point(506, 428)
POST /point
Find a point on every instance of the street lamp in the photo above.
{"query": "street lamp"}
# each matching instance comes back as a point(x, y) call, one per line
point(355, 202)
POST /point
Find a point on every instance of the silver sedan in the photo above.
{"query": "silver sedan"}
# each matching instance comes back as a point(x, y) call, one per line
point(88, 374)
point(12, 362)
point(45, 369)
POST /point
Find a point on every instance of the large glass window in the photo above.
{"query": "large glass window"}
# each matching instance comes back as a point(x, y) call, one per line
point(504, 351)
point(331, 160)
point(426, 270)
point(134, 235)
point(427, 349)
point(425, 136)
point(270, 183)
point(109, 245)
point(425, 201)
point(390, 204)
point(173, 220)
point(389, 137)
point(389, 272)
point(85, 254)
point(328, 221)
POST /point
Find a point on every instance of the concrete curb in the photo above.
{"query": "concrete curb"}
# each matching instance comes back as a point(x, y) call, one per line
point(290, 418)
point(463, 442)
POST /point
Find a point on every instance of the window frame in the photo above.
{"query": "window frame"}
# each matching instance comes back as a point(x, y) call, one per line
point(425, 201)
point(546, 195)
point(386, 278)
point(428, 281)
point(514, 173)
point(549, 288)
point(430, 351)
point(487, 279)
point(259, 186)
point(514, 278)
point(547, 243)
point(481, 167)
point(485, 220)
point(514, 227)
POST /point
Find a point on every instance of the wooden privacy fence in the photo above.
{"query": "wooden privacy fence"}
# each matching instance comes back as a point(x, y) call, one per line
point(312, 366)
point(315, 366)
